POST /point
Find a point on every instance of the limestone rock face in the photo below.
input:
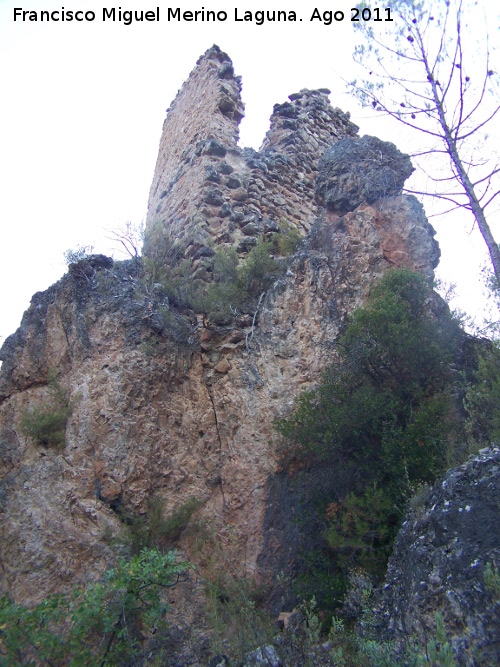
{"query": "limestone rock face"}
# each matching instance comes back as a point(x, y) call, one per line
point(164, 403)
point(439, 564)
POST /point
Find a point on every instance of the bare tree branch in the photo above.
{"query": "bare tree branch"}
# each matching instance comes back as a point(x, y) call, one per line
point(427, 60)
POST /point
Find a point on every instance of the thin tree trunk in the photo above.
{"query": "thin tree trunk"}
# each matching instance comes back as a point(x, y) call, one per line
point(474, 203)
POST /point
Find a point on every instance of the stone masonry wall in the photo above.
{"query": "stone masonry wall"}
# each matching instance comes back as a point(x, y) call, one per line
point(206, 189)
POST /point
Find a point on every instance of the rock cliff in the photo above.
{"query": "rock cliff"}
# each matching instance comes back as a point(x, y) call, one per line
point(164, 403)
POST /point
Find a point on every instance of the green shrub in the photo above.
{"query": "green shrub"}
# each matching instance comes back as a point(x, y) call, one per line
point(492, 579)
point(385, 403)
point(169, 529)
point(320, 576)
point(220, 300)
point(225, 268)
point(235, 286)
point(150, 346)
point(306, 646)
point(179, 284)
point(46, 424)
point(362, 530)
point(384, 409)
point(438, 651)
point(482, 397)
point(155, 531)
point(259, 269)
point(99, 626)
point(237, 623)
point(288, 239)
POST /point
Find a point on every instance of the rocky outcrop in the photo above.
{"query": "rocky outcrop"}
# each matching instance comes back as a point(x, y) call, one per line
point(440, 564)
point(164, 404)
point(357, 171)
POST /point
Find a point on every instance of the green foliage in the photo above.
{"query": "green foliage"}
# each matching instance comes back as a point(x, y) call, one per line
point(234, 606)
point(99, 626)
point(320, 577)
point(177, 325)
point(482, 397)
point(164, 246)
point(364, 649)
point(238, 624)
point(235, 285)
point(492, 579)
point(362, 528)
point(238, 286)
point(46, 424)
point(156, 531)
point(394, 356)
point(154, 274)
point(313, 623)
point(306, 647)
point(288, 239)
point(438, 651)
point(225, 267)
point(176, 280)
point(336, 637)
point(377, 404)
point(150, 346)
point(259, 269)
point(219, 300)
point(385, 409)
point(394, 363)
point(420, 493)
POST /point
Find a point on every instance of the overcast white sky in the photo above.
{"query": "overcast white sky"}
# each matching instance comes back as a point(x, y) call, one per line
point(81, 112)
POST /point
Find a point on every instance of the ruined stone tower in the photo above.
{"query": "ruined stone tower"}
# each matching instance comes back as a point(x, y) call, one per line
point(158, 417)
point(207, 190)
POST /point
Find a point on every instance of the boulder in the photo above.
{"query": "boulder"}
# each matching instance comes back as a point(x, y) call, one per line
point(355, 171)
point(444, 561)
